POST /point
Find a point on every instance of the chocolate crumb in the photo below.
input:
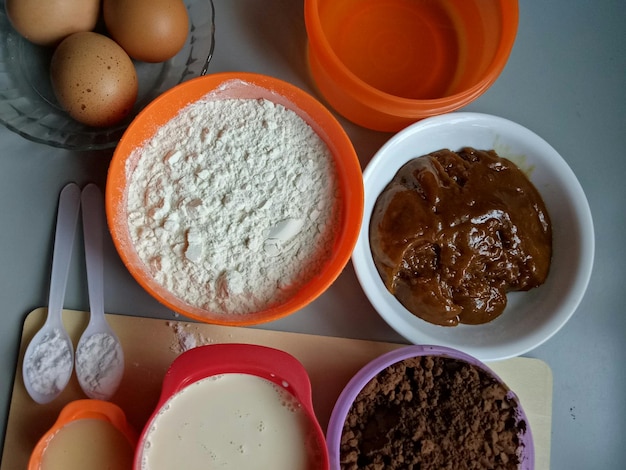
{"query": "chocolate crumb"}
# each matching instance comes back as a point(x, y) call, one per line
point(432, 412)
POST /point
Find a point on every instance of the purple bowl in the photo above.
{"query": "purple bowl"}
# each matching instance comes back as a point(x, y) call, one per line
point(370, 370)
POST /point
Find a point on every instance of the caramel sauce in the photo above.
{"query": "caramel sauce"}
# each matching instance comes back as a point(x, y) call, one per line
point(453, 232)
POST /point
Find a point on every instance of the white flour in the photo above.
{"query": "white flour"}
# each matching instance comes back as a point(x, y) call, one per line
point(50, 364)
point(231, 205)
point(97, 365)
point(186, 338)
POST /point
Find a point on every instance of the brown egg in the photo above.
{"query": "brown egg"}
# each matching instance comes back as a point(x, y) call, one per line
point(93, 79)
point(47, 22)
point(148, 30)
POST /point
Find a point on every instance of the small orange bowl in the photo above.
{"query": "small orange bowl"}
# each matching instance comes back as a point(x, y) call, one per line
point(247, 86)
point(106, 439)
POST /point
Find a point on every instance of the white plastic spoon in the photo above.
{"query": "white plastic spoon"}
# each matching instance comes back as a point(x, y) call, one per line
point(49, 357)
point(99, 355)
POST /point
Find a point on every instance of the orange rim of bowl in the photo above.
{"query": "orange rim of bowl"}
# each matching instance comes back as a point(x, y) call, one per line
point(83, 409)
point(363, 92)
point(251, 86)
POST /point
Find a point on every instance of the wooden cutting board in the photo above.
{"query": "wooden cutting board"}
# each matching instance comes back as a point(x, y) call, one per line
point(150, 345)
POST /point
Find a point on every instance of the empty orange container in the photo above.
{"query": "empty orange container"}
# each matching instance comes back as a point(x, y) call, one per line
point(385, 64)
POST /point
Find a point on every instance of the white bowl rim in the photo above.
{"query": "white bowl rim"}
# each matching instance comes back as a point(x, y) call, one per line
point(505, 137)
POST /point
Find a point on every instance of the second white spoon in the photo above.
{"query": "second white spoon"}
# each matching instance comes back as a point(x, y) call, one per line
point(99, 355)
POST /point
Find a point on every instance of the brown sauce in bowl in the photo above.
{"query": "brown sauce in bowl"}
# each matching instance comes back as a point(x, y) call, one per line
point(453, 232)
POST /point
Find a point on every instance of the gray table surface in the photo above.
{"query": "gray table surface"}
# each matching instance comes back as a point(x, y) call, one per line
point(565, 80)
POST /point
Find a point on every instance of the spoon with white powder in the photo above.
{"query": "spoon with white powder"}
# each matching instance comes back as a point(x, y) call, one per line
point(49, 357)
point(99, 355)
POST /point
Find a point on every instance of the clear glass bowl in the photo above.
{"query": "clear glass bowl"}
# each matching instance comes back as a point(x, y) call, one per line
point(28, 105)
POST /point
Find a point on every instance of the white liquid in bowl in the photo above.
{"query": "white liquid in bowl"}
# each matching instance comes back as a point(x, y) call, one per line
point(230, 421)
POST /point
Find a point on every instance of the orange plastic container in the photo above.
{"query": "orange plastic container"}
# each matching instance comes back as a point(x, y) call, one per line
point(87, 409)
point(386, 64)
point(245, 86)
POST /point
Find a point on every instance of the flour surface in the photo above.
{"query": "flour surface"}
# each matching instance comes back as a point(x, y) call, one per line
point(232, 203)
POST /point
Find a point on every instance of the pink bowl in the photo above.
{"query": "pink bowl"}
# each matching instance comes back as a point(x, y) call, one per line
point(271, 364)
point(361, 378)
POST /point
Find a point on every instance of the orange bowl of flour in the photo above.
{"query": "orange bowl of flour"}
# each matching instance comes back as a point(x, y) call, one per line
point(235, 198)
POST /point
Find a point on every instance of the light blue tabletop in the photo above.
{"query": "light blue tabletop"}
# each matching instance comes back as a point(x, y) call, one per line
point(565, 80)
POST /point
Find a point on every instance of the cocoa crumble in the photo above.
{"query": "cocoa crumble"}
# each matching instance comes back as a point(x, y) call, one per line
point(432, 412)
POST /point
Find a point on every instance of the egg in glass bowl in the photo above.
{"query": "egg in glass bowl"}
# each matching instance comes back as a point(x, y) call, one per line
point(529, 317)
point(29, 106)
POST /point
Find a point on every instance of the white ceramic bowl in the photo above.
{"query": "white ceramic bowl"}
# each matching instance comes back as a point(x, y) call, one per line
point(530, 318)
